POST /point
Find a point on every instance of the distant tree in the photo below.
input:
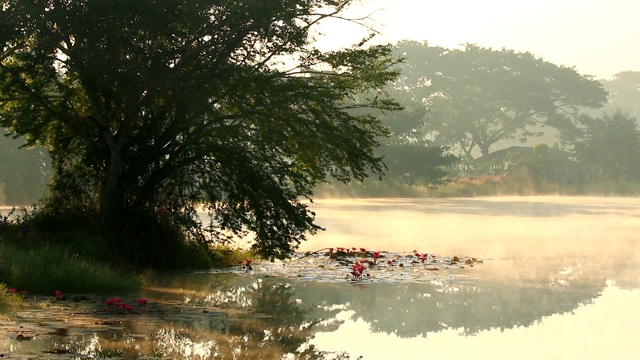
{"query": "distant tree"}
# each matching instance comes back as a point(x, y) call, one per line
point(624, 93)
point(611, 143)
point(24, 172)
point(417, 163)
point(153, 108)
point(478, 96)
point(411, 159)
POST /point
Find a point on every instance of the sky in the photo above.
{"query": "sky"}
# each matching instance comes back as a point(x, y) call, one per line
point(597, 37)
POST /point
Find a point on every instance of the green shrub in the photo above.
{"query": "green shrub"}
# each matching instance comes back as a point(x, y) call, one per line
point(223, 256)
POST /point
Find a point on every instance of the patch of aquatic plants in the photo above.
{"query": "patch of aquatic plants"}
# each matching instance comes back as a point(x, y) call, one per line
point(360, 265)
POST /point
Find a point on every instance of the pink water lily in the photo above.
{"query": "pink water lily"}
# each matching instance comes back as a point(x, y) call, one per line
point(357, 270)
point(114, 301)
point(142, 301)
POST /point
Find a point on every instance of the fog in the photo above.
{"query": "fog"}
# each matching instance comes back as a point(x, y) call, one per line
point(486, 227)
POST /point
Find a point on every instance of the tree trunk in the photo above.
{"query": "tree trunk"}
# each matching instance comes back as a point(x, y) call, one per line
point(111, 194)
point(484, 149)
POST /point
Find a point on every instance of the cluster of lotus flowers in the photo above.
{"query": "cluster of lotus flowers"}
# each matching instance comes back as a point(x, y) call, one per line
point(357, 264)
point(115, 304)
point(358, 269)
point(15, 291)
point(57, 294)
point(245, 264)
point(353, 252)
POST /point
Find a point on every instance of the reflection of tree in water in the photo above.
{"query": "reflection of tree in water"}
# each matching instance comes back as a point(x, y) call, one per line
point(207, 317)
point(276, 323)
point(232, 316)
point(410, 310)
point(277, 319)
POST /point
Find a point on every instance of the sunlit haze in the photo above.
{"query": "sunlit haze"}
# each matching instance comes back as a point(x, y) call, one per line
point(597, 37)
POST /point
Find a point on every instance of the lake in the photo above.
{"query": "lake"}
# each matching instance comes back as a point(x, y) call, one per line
point(558, 279)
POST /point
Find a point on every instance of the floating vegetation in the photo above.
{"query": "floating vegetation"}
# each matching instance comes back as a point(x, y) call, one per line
point(359, 265)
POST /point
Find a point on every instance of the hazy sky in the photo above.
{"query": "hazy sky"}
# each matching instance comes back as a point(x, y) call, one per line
point(598, 37)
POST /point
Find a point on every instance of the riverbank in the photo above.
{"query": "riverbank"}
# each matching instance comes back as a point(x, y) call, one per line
point(484, 186)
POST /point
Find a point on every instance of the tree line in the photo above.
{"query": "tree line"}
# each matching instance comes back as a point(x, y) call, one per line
point(473, 101)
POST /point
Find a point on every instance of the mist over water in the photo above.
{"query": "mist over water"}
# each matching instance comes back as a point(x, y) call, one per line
point(484, 227)
point(532, 233)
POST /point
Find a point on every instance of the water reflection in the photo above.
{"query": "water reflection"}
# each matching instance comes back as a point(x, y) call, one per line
point(604, 329)
point(222, 315)
point(290, 313)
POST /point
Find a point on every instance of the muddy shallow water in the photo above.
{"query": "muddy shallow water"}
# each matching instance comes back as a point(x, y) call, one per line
point(558, 279)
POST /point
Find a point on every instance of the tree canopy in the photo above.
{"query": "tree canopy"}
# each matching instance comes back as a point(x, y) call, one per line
point(611, 144)
point(151, 108)
point(624, 92)
point(478, 96)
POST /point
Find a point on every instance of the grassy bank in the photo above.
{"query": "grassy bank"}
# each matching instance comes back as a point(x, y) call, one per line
point(49, 268)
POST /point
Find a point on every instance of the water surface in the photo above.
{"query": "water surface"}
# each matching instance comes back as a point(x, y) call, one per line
point(559, 280)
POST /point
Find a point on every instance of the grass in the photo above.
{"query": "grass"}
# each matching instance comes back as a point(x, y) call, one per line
point(8, 301)
point(49, 268)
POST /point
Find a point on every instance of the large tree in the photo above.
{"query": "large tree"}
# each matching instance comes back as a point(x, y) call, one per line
point(150, 108)
point(478, 96)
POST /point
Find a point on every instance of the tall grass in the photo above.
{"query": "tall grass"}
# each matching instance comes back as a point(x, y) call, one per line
point(8, 301)
point(49, 268)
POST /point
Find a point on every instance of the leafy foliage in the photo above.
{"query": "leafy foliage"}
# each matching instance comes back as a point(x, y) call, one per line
point(149, 108)
point(478, 96)
point(611, 144)
point(417, 163)
point(409, 157)
point(624, 93)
